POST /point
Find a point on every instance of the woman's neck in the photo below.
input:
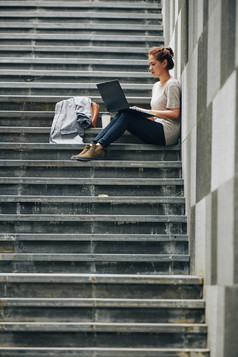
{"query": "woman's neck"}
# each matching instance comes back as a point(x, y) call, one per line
point(164, 79)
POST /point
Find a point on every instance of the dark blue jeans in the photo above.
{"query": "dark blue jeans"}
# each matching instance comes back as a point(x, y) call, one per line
point(149, 131)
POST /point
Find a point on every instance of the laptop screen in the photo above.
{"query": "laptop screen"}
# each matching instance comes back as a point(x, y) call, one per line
point(113, 95)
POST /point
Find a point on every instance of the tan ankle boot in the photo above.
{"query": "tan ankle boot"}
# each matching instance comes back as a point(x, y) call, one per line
point(82, 153)
point(95, 152)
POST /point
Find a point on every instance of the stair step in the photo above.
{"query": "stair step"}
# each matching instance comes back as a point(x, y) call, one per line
point(16, 119)
point(30, 61)
point(90, 200)
point(82, 4)
point(97, 217)
point(91, 205)
point(114, 334)
point(80, 86)
point(38, 124)
point(106, 313)
point(29, 151)
point(94, 243)
point(123, 15)
point(41, 76)
point(92, 181)
point(103, 310)
point(181, 281)
point(104, 327)
point(91, 52)
point(127, 238)
point(103, 352)
point(96, 169)
point(95, 263)
point(93, 187)
point(118, 303)
point(86, 27)
point(100, 286)
point(30, 74)
point(31, 134)
point(156, 165)
point(93, 38)
point(49, 102)
point(64, 257)
point(44, 105)
point(74, 89)
point(71, 88)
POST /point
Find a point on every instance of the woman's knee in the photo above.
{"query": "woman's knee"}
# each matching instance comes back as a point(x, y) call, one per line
point(124, 116)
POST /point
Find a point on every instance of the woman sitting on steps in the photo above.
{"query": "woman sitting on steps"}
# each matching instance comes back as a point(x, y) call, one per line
point(164, 129)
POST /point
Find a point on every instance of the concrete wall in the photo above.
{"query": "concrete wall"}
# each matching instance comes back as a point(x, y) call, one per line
point(204, 35)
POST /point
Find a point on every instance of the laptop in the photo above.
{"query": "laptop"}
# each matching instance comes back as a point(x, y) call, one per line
point(115, 100)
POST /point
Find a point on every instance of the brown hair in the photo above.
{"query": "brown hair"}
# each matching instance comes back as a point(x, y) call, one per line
point(162, 53)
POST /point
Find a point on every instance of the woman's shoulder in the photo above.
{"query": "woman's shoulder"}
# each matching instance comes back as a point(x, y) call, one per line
point(172, 86)
point(173, 82)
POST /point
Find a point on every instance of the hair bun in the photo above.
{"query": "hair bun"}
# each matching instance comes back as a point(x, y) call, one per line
point(171, 52)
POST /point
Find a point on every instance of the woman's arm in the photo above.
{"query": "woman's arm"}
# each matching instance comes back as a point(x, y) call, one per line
point(167, 114)
point(164, 114)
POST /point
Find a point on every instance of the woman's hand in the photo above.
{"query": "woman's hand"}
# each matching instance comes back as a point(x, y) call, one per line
point(145, 110)
point(142, 109)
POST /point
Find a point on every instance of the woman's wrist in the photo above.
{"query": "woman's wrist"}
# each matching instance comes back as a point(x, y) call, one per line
point(154, 113)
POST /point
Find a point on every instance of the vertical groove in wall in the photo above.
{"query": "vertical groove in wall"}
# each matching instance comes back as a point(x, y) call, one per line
point(228, 34)
point(205, 13)
point(214, 240)
point(191, 229)
point(203, 152)
point(184, 35)
point(236, 190)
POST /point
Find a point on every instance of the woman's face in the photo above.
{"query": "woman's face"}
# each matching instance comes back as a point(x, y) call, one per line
point(156, 67)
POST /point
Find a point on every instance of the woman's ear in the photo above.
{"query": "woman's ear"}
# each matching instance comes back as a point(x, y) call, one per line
point(165, 63)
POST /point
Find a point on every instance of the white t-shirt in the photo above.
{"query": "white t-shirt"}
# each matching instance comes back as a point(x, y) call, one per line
point(164, 98)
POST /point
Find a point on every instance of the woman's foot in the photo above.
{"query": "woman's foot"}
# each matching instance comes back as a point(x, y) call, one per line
point(82, 153)
point(95, 152)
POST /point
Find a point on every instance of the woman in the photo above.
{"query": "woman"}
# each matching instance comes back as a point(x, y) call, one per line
point(164, 129)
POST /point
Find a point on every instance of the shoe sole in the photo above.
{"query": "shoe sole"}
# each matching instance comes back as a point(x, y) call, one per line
point(73, 158)
point(89, 159)
point(76, 158)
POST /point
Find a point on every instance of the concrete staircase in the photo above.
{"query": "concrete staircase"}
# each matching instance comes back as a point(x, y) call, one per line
point(94, 255)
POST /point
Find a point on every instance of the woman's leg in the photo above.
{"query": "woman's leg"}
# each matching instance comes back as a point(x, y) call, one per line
point(105, 130)
point(113, 131)
point(148, 130)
